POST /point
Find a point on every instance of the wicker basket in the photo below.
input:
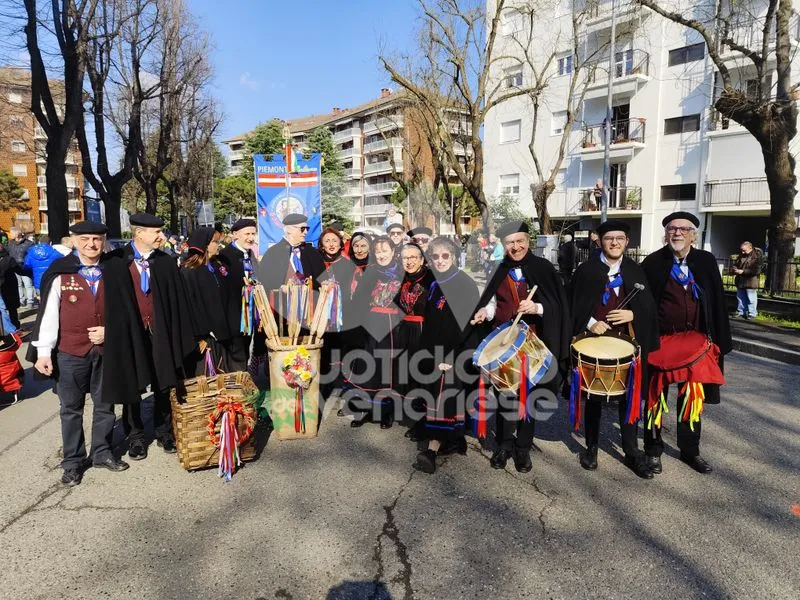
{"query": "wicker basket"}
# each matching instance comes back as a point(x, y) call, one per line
point(193, 401)
point(282, 398)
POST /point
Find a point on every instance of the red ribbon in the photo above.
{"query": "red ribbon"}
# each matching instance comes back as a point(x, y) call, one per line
point(522, 411)
point(481, 407)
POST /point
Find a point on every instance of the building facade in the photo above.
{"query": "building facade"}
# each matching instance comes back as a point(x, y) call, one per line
point(378, 143)
point(22, 153)
point(669, 149)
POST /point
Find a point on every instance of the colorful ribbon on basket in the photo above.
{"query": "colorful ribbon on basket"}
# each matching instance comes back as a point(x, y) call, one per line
point(228, 439)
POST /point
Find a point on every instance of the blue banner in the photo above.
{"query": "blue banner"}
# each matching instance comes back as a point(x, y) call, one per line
point(278, 195)
point(93, 211)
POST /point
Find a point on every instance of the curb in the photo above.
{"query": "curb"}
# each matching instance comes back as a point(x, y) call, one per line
point(783, 355)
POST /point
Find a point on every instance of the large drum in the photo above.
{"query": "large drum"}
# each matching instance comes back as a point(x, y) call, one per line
point(604, 362)
point(502, 362)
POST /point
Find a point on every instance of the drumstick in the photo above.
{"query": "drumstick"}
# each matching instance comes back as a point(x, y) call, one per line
point(638, 287)
point(510, 333)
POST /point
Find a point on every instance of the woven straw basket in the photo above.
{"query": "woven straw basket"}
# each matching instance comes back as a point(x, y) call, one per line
point(282, 398)
point(193, 401)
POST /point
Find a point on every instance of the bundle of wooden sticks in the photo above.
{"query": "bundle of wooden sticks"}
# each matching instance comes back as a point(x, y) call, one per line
point(298, 299)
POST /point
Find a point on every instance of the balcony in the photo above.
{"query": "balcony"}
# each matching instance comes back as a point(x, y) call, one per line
point(627, 135)
point(751, 35)
point(383, 166)
point(72, 183)
point(631, 68)
point(377, 209)
point(383, 124)
point(42, 203)
point(620, 200)
point(598, 13)
point(380, 188)
point(43, 227)
point(352, 173)
point(732, 193)
point(383, 145)
point(346, 134)
point(348, 152)
point(74, 206)
point(235, 155)
point(352, 191)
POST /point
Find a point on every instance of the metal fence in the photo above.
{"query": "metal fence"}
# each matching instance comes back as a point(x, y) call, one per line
point(736, 192)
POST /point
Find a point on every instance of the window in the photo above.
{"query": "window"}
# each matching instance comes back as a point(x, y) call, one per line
point(18, 146)
point(687, 54)
point(565, 65)
point(509, 184)
point(685, 192)
point(683, 124)
point(559, 122)
point(513, 76)
point(510, 131)
point(510, 22)
point(20, 170)
point(751, 87)
point(15, 97)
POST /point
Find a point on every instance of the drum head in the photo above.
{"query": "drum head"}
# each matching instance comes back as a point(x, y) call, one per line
point(493, 350)
point(604, 347)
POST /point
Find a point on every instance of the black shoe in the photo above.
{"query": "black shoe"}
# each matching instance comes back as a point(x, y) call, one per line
point(638, 464)
point(387, 422)
point(458, 446)
point(589, 458)
point(168, 445)
point(72, 477)
point(522, 461)
point(137, 451)
point(359, 422)
point(697, 463)
point(111, 463)
point(341, 413)
point(500, 458)
point(654, 464)
point(426, 461)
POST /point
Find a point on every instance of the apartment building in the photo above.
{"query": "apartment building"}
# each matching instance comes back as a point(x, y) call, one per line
point(22, 152)
point(377, 142)
point(669, 149)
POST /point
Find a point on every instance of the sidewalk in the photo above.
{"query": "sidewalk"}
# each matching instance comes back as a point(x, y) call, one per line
point(766, 340)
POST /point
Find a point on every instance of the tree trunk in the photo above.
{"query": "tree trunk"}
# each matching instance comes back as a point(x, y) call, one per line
point(57, 198)
point(150, 197)
point(113, 204)
point(779, 168)
point(540, 196)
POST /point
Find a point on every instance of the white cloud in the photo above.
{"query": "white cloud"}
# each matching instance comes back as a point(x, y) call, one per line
point(246, 80)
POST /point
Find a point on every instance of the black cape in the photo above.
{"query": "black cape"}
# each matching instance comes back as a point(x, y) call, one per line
point(343, 271)
point(230, 257)
point(555, 325)
point(713, 309)
point(452, 300)
point(272, 269)
point(586, 289)
point(130, 361)
point(68, 265)
point(207, 293)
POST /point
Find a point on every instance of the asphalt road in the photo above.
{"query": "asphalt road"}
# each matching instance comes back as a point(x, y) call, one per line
point(345, 516)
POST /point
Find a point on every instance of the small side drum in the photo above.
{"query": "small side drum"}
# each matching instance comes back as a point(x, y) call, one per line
point(604, 362)
point(502, 362)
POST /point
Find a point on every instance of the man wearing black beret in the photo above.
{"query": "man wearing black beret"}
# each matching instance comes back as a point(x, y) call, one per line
point(291, 259)
point(421, 236)
point(148, 331)
point(598, 287)
point(687, 286)
point(239, 259)
point(505, 296)
point(67, 344)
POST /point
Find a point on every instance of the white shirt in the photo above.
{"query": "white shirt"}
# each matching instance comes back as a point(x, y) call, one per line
point(613, 271)
point(49, 326)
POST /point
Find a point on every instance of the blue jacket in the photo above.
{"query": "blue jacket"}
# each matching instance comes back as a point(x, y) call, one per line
point(39, 259)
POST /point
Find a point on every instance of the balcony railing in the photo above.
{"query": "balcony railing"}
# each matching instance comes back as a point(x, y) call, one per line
point(377, 209)
point(380, 188)
point(348, 152)
point(71, 182)
point(73, 206)
point(737, 192)
point(626, 63)
point(599, 9)
point(623, 131)
point(346, 134)
point(352, 172)
point(751, 34)
point(619, 198)
point(235, 155)
point(386, 145)
point(382, 166)
point(383, 124)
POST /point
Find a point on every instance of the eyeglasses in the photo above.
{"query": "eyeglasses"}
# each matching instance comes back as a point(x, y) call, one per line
point(392, 233)
point(443, 256)
point(422, 239)
point(676, 229)
point(619, 238)
point(302, 228)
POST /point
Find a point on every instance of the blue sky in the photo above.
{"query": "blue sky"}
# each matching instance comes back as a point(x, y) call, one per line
point(292, 59)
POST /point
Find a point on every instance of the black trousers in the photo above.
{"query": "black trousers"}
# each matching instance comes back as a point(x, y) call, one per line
point(162, 418)
point(688, 440)
point(238, 352)
point(78, 376)
point(511, 432)
point(591, 423)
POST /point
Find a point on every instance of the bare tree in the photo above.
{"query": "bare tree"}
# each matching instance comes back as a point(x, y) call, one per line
point(757, 31)
point(57, 103)
point(540, 67)
point(123, 34)
point(459, 51)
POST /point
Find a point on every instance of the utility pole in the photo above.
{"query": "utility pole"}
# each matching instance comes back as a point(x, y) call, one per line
point(609, 113)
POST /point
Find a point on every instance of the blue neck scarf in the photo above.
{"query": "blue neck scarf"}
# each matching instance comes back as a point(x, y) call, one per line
point(685, 279)
point(611, 285)
point(145, 266)
point(92, 274)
